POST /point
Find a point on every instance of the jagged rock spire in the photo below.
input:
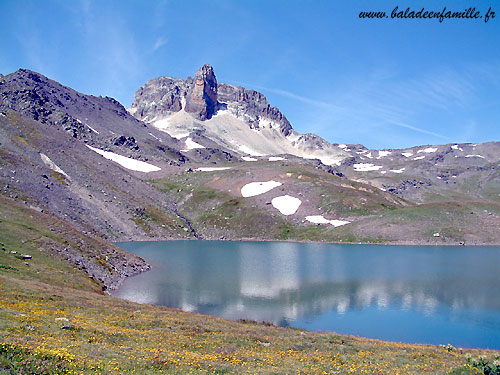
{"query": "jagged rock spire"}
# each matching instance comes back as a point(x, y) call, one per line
point(202, 95)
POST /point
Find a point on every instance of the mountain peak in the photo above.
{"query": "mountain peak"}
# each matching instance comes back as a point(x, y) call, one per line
point(202, 96)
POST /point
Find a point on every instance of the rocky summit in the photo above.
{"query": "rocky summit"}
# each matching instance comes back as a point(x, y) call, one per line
point(203, 97)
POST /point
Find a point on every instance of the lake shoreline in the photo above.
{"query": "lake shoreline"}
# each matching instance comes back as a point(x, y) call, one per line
point(252, 239)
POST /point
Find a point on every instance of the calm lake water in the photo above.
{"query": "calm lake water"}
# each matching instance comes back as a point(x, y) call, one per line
point(415, 294)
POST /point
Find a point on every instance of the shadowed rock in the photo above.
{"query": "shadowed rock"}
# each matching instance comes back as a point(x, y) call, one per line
point(202, 95)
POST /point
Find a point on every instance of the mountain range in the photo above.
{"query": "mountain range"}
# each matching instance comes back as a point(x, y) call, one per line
point(195, 158)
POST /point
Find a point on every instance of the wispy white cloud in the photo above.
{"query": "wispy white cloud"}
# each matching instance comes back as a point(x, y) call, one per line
point(288, 94)
point(111, 47)
point(423, 104)
point(420, 130)
point(442, 88)
point(160, 42)
point(159, 17)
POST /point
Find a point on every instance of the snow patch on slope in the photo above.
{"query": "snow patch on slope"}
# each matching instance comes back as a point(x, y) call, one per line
point(286, 204)
point(398, 170)
point(320, 219)
point(190, 144)
point(211, 169)
point(428, 150)
point(248, 150)
point(49, 163)
point(475, 156)
point(129, 163)
point(175, 132)
point(155, 137)
point(233, 132)
point(257, 188)
point(366, 167)
point(382, 154)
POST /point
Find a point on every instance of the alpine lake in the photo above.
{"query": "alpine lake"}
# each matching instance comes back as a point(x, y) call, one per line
point(413, 294)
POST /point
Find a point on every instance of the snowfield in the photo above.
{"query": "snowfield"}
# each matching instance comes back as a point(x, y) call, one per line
point(256, 188)
point(398, 170)
point(233, 132)
point(475, 156)
point(276, 158)
point(286, 204)
point(49, 163)
point(190, 144)
point(248, 150)
point(211, 169)
point(132, 164)
point(366, 167)
point(382, 154)
point(428, 150)
point(91, 128)
point(248, 158)
point(338, 223)
point(320, 219)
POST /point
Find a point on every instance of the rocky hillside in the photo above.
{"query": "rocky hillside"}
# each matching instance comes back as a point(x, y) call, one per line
point(429, 173)
point(52, 141)
point(202, 159)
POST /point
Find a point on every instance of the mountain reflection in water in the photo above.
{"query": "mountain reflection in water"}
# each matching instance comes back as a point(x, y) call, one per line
point(403, 293)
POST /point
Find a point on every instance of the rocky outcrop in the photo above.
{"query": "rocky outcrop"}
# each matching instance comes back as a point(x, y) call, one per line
point(161, 96)
point(128, 142)
point(253, 105)
point(201, 99)
point(312, 142)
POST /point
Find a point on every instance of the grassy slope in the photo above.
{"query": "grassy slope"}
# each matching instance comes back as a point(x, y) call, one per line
point(213, 204)
point(215, 207)
point(106, 335)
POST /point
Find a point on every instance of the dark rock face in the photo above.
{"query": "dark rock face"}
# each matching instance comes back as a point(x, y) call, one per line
point(202, 95)
point(128, 142)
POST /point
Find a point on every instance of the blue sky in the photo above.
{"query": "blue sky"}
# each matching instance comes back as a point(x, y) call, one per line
point(382, 83)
